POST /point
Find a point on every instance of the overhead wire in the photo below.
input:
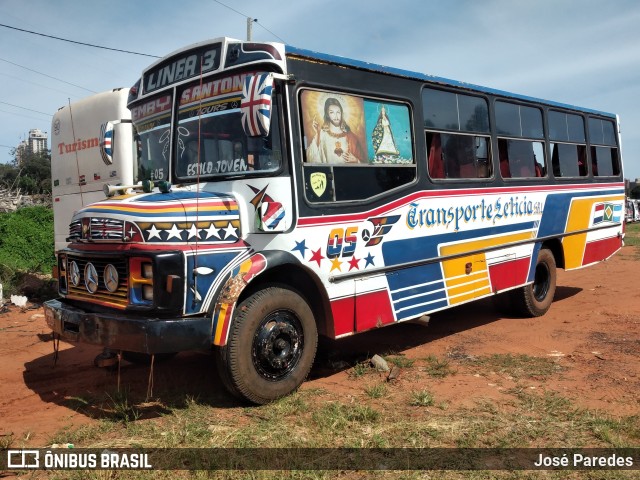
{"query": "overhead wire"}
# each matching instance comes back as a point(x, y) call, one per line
point(34, 83)
point(48, 76)
point(93, 46)
point(25, 108)
point(77, 42)
point(23, 115)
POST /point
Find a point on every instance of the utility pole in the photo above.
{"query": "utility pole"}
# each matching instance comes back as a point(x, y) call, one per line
point(250, 27)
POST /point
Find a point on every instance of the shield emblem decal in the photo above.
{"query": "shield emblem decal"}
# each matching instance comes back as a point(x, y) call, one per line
point(318, 181)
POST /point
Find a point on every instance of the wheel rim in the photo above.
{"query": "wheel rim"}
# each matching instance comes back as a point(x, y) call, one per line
point(542, 282)
point(277, 345)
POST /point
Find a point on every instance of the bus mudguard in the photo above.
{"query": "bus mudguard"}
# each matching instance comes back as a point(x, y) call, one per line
point(265, 265)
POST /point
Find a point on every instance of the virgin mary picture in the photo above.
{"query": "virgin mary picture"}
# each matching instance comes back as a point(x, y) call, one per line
point(382, 136)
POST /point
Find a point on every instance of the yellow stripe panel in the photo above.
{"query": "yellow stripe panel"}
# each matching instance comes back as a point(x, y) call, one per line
point(580, 219)
point(461, 286)
point(474, 276)
point(220, 323)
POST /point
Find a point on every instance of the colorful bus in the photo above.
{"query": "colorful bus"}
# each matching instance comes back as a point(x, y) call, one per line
point(282, 194)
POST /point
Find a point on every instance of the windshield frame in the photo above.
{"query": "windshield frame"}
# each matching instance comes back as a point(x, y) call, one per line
point(210, 143)
point(153, 114)
point(263, 149)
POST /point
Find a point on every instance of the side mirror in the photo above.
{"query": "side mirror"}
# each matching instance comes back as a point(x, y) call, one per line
point(255, 104)
point(106, 142)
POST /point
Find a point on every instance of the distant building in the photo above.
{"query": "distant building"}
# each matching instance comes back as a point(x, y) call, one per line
point(35, 143)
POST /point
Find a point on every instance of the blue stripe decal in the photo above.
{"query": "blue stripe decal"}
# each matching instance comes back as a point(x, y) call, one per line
point(415, 249)
point(427, 298)
point(425, 283)
point(167, 197)
point(216, 262)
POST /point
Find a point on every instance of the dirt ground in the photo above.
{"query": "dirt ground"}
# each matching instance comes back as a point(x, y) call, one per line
point(592, 329)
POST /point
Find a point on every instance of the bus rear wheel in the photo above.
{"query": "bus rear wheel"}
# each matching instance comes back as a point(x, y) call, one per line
point(271, 346)
point(534, 300)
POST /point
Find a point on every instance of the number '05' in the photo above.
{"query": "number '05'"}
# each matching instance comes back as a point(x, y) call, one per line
point(342, 242)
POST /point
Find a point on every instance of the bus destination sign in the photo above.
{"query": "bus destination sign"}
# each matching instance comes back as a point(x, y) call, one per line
point(183, 66)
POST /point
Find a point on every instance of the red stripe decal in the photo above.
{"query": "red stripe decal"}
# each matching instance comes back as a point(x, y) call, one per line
point(601, 249)
point(509, 274)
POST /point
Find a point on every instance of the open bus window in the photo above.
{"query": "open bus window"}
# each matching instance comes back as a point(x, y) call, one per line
point(367, 145)
point(569, 160)
point(605, 162)
point(453, 154)
point(458, 156)
point(521, 159)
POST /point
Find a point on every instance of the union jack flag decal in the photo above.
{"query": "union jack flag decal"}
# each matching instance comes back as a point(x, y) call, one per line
point(256, 104)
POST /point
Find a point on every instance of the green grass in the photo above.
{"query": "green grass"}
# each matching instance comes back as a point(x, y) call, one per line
point(422, 398)
point(437, 368)
point(320, 419)
point(376, 391)
point(632, 234)
point(400, 361)
point(518, 367)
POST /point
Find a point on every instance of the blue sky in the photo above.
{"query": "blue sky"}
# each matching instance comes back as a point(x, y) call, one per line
point(583, 52)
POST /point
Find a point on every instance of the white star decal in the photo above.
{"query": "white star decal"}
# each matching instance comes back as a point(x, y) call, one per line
point(154, 232)
point(174, 232)
point(212, 231)
point(193, 231)
point(230, 231)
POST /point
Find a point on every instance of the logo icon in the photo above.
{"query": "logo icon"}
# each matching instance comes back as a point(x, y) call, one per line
point(318, 182)
point(111, 279)
point(23, 459)
point(74, 274)
point(91, 278)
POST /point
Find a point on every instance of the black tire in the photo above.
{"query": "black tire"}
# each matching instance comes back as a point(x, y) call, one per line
point(271, 346)
point(145, 358)
point(534, 300)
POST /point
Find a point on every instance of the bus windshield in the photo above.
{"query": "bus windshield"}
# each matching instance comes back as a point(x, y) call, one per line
point(215, 144)
point(152, 122)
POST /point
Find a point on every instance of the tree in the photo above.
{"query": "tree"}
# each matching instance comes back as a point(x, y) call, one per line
point(32, 176)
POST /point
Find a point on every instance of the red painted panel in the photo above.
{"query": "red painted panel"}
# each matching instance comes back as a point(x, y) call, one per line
point(509, 274)
point(600, 249)
point(373, 310)
point(343, 311)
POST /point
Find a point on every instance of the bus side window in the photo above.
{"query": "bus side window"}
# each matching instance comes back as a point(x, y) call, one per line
point(505, 171)
point(455, 156)
point(521, 159)
point(435, 163)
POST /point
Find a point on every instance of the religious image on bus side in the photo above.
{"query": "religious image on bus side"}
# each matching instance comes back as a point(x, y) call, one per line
point(388, 133)
point(350, 130)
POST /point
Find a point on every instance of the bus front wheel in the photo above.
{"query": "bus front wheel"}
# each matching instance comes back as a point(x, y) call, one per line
point(534, 300)
point(271, 345)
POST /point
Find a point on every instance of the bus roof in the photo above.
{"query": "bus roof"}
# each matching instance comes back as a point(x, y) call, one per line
point(335, 59)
